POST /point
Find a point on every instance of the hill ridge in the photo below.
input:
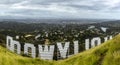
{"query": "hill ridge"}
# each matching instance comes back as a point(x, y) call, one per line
point(107, 53)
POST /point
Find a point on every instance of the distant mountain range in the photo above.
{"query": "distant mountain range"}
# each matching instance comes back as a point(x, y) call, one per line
point(57, 21)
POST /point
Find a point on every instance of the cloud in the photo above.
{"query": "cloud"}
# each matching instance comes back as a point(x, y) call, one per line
point(60, 8)
point(51, 7)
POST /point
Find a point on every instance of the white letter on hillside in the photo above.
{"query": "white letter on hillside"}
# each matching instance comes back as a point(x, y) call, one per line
point(46, 53)
point(9, 42)
point(95, 41)
point(33, 49)
point(76, 49)
point(107, 38)
point(18, 46)
point(63, 50)
point(87, 44)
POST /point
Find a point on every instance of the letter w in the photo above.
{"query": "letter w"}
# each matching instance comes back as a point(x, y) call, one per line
point(46, 52)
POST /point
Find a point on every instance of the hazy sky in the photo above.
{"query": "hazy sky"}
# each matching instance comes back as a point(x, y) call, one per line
point(109, 9)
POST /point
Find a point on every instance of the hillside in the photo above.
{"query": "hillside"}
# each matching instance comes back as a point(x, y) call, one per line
point(106, 54)
point(9, 58)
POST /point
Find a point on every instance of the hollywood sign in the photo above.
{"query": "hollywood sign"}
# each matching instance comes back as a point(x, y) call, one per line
point(47, 51)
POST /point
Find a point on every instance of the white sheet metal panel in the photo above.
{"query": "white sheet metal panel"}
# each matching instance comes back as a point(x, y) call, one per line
point(63, 50)
point(33, 49)
point(46, 52)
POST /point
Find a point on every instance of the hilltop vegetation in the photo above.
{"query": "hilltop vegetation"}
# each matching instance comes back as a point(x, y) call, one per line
point(9, 58)
point(106, 54)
